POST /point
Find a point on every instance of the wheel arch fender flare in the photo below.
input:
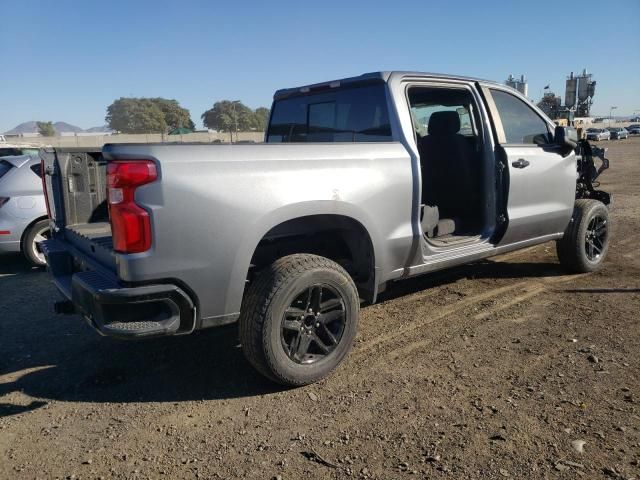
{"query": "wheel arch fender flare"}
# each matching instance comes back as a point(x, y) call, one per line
point(258, 230)
point(23, 236)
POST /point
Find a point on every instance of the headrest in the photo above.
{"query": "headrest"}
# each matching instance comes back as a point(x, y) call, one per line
point(444, 123)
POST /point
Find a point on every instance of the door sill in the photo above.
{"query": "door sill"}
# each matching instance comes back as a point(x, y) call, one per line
point(449, 241)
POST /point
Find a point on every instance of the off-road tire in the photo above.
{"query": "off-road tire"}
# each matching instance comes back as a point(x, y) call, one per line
point(263, 309)
point(571, 248)
point(28, 243)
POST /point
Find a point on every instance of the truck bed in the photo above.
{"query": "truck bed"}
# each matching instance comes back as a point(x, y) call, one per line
point(213, 205)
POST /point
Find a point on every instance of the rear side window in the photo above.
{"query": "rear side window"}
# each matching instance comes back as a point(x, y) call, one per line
point(520, 123)
point(4, 167)
point(357, 114)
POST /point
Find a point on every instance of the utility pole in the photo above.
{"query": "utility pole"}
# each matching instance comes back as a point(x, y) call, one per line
point(610, 113)
point(235, 118)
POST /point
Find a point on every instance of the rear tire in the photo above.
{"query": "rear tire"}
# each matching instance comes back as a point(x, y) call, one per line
point(299, 319)
point(586, 239)
point(36, 233)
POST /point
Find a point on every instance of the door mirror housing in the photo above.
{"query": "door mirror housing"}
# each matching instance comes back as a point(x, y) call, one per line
point(566, 136)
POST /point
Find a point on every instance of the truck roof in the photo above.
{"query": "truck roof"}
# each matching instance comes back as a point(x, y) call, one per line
point(367, 78)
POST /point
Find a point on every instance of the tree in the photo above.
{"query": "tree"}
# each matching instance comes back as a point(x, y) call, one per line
point(261, 118)
point(227, 116)
point(147, 115)
point(46, 129)
point(174, 115)
point(135, 115)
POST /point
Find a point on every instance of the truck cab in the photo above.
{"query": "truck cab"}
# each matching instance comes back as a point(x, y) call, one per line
point(485, 168)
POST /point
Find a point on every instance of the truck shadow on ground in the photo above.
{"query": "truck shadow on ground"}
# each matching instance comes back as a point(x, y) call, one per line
point(83, 367)
point(486, 269)
point(50, 357)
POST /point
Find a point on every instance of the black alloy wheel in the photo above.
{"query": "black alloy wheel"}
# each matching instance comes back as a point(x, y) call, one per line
point(595, 238)
point(313, 325)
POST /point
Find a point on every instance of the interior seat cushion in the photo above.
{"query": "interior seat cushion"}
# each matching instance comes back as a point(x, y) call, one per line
point(433, 226)
point(446, 165)
point(446, 226)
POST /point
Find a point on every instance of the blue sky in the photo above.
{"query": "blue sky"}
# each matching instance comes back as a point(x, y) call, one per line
point(68, 60)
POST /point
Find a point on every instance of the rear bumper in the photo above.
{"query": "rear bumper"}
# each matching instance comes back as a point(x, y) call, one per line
point(112, 308)
point(10, 233)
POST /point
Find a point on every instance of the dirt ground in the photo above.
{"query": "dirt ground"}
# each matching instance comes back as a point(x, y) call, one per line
point(501, 369)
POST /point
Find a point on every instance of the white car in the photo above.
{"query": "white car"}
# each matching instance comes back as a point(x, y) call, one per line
point(23, 211)
point(598, 134)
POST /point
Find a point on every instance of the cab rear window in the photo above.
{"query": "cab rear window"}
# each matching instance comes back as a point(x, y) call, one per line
point(356, 114)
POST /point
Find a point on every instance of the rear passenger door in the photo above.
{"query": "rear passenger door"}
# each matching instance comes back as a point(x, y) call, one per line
point(541, 175)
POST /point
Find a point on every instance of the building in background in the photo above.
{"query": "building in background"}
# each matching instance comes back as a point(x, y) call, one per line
point(586, 91)
point(551, 104)
point(578, 98)
point(520, 84)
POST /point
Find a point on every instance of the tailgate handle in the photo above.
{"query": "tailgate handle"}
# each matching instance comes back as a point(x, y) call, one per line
point(521, 163)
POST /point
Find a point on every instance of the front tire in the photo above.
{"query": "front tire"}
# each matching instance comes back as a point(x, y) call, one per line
point(35, 234)
point(586, 239)
point(299, 319)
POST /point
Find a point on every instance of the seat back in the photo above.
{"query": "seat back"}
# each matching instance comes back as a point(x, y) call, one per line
point(446, 163)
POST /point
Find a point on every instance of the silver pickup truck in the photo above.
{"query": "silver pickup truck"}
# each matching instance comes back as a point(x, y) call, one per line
point(360, 182)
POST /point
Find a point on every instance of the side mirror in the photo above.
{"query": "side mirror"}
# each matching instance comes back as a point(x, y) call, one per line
point(566, 136)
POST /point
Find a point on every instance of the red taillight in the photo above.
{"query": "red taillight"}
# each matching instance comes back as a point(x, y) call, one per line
point(130, 223)
point(44, 188)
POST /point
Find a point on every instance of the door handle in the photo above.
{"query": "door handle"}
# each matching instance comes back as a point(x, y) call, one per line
point(521, 163)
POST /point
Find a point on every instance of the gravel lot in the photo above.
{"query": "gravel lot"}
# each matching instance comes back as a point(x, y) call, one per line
point(507, 368)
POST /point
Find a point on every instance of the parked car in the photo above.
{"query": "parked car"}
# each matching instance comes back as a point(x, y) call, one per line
point(23, 213)
point(348, 195)
point(618, 133)
point(634, 129)
point(598, 134)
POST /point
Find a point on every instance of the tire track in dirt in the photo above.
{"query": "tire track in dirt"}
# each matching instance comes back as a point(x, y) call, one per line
point(523, 291)
point(431, 316)
point(625, 241)
point(530, 290)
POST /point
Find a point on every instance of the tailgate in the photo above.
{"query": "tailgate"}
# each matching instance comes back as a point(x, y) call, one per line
point(75, 186)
